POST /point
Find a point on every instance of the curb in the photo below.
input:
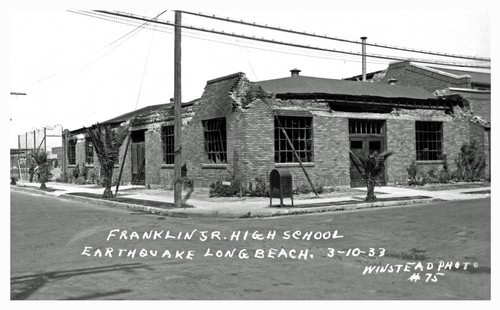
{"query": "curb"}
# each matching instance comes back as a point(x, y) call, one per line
point(181, 213)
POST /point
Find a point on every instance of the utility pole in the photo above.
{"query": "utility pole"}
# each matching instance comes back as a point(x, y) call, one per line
point(177, 112)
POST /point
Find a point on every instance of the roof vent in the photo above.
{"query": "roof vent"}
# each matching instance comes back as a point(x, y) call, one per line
point(295, 72)
point(392, 81)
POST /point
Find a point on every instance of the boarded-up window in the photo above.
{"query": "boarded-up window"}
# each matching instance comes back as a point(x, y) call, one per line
point(72, 152)
point(428, 137)
point(89, 152)
point(299, 131)
point(215, 141)
point(167, 138)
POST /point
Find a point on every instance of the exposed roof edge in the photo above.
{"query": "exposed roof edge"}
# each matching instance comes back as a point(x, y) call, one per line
point(227, 77)
point(116, 121)
point(470, 90)
point(433, 70)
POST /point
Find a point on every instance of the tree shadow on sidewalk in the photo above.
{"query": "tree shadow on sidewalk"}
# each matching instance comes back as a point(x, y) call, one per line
point(24, 286)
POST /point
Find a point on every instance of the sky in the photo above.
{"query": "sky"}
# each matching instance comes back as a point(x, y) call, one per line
point(77, 70)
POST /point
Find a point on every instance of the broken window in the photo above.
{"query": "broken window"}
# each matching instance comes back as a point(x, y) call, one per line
point(167, 138)
point(299, 131)
point(89, 152)
point(215, 141)
point(428, 137)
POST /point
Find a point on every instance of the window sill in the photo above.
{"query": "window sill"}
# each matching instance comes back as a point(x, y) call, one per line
point(213, 166)
point(287, 165)
point(429, 162)
point(167, 166)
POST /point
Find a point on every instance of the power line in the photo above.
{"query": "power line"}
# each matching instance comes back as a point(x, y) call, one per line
point(163, 29)
point(253, 24)
point(145, 67)
point(452, 64)
point(130, 34)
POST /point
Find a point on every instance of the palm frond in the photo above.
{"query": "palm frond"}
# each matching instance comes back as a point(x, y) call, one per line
point(370, 165)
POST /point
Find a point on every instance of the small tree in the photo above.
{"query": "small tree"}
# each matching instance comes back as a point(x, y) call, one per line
point(42, 162)
point(470, 162)
point(107, 142)
point(371, 167)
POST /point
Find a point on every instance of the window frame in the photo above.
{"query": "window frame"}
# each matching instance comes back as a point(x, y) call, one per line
point(428, 141)
point(168, 144)
point(71, 152)
point(299, 130)
point(215, 141)
point(89, 152)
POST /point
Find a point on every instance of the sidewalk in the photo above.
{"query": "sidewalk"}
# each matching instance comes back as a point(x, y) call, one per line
point(138, 198)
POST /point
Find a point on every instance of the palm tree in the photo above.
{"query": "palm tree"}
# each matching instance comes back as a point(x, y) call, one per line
point(42, 162)
point(107, 142)
point(371, 167)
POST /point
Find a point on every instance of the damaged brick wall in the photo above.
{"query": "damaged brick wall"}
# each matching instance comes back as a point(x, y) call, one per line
point(215, 102)
point(479, 102)
point(400, 140)
point(255, 141)
point(331, 152)
point(455, 134)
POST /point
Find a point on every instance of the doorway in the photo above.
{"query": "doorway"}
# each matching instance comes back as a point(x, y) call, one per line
point(138, 157)
point(365, 137)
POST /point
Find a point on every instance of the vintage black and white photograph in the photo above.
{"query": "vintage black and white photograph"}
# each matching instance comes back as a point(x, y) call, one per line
point(223, 151)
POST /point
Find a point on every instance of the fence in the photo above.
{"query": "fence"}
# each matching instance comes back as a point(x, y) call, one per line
point(45, 139)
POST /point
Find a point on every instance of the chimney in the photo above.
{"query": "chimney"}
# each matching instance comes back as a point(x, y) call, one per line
point(295, 72)
point(363, 58)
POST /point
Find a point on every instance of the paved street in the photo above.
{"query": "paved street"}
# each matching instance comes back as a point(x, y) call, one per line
point(63, 249)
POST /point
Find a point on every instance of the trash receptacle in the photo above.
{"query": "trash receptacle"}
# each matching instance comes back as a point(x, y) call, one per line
point(280, 186)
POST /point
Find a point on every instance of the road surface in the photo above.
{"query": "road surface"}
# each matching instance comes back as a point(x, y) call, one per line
point(64, 249)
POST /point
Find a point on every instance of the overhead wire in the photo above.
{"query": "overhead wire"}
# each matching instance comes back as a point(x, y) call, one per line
point(271, 41)
point(124, 37)
point(165, 29)
point(129, 34)
point(169, 30)
point(254, 24)
point(145, 67)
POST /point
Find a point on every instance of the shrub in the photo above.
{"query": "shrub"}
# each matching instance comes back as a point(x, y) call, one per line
point(305, 188)
point(217, 189)
point(84, 171)
point(187, 183)
point(431, 176)
point(470, 163)
point(414, 175)
point(93, 177)
point(76, 172)
point(261, 188)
